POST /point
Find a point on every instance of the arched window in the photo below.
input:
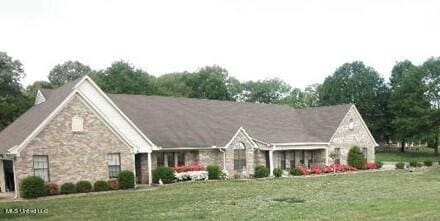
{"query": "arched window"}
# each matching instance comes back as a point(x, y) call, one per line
point(239, 156)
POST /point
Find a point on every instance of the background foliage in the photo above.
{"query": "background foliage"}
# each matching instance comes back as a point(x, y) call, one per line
point(405, 109)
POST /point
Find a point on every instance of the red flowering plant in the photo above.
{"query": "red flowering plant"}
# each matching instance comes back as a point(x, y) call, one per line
point(338, 168)
point(188, 168)
point(304, 171)
point(316, 169)
point(372, 166)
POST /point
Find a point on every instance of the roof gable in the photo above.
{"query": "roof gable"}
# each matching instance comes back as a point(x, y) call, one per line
point(171, 122)
point(21, 128)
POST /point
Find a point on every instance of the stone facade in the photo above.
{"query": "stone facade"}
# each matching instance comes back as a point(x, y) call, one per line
point(205, 157)
point(211, 157)
point(351, 132)
point(250, 149)
point(75, 156)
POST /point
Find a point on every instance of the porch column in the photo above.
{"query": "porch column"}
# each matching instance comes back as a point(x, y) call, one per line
point(326, 156)
point(2, 178)
point(271, 162)
point(150, 174)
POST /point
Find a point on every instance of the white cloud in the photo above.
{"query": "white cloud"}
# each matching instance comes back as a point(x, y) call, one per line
point(298, 41)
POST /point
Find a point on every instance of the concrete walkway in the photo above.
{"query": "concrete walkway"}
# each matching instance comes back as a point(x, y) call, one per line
point(7, 196)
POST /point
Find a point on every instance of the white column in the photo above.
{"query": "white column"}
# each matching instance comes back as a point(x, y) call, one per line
point(150, 174)
point(2, 178)
point(271, 162)
point(326, 156)
point(224, 159)
point(17, 192)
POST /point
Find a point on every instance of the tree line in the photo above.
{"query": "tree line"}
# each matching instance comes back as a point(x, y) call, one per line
point(404, 109)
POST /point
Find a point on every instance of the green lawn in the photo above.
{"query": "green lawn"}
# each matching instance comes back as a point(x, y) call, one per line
point(396, 156)
point(385, 195)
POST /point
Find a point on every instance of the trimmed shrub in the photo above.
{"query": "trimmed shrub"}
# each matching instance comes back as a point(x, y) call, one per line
point(126, 179)
point(224, 175)
point(295, 172)
point(277, 172)
point(379, 164)
point(68, 188)
point(356, 159)
point(113, 184)
point(428, 163)
point(100, 185)
point(413, 163)
point(400, 165)
point(214, 172)
point(166, 174)
point(419, 164)
point(52, 189)
point(83, 186)
point(261, 171)
point(32, 187)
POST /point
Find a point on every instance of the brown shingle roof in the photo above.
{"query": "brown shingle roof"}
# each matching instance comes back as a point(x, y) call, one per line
point(184, 122)
point(21, 128)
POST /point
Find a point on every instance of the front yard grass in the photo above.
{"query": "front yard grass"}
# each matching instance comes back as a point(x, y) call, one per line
point(384, 195)
point(396, 156)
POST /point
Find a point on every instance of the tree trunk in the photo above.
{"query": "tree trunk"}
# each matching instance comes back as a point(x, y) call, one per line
point(436, 145)
point(402, 148)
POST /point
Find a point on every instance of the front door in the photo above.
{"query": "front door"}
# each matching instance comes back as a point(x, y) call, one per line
point(9, 175)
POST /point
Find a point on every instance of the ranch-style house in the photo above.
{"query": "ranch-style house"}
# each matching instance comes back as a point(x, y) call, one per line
point(78, 132)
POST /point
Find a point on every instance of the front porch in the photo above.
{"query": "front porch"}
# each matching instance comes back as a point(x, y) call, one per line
point(287, 159)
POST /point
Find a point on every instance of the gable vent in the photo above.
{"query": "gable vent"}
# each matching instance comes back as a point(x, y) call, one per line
point(77, 124)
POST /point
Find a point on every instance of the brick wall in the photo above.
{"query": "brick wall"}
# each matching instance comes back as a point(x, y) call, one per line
point(75, 156)
point(345, 138)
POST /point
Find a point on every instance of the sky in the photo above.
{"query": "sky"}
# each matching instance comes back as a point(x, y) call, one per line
point(300, 42)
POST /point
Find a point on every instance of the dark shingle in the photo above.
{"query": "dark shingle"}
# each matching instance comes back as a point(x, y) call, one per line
point(21, 128)
point(184, 122)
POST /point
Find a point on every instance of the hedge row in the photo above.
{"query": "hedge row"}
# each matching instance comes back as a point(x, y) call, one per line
point(34, 186)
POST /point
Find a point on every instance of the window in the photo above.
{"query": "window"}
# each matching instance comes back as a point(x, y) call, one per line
point(338, 155)
point(312, 158)
point(239, 157)
point(180, 159)
point(303, 158)
point(170, 159)
point(41, 166)
point(292, 160)
point(77, 124)
point(365, 152)
point(160, 159)
point(114, 164)
point(283, 160)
